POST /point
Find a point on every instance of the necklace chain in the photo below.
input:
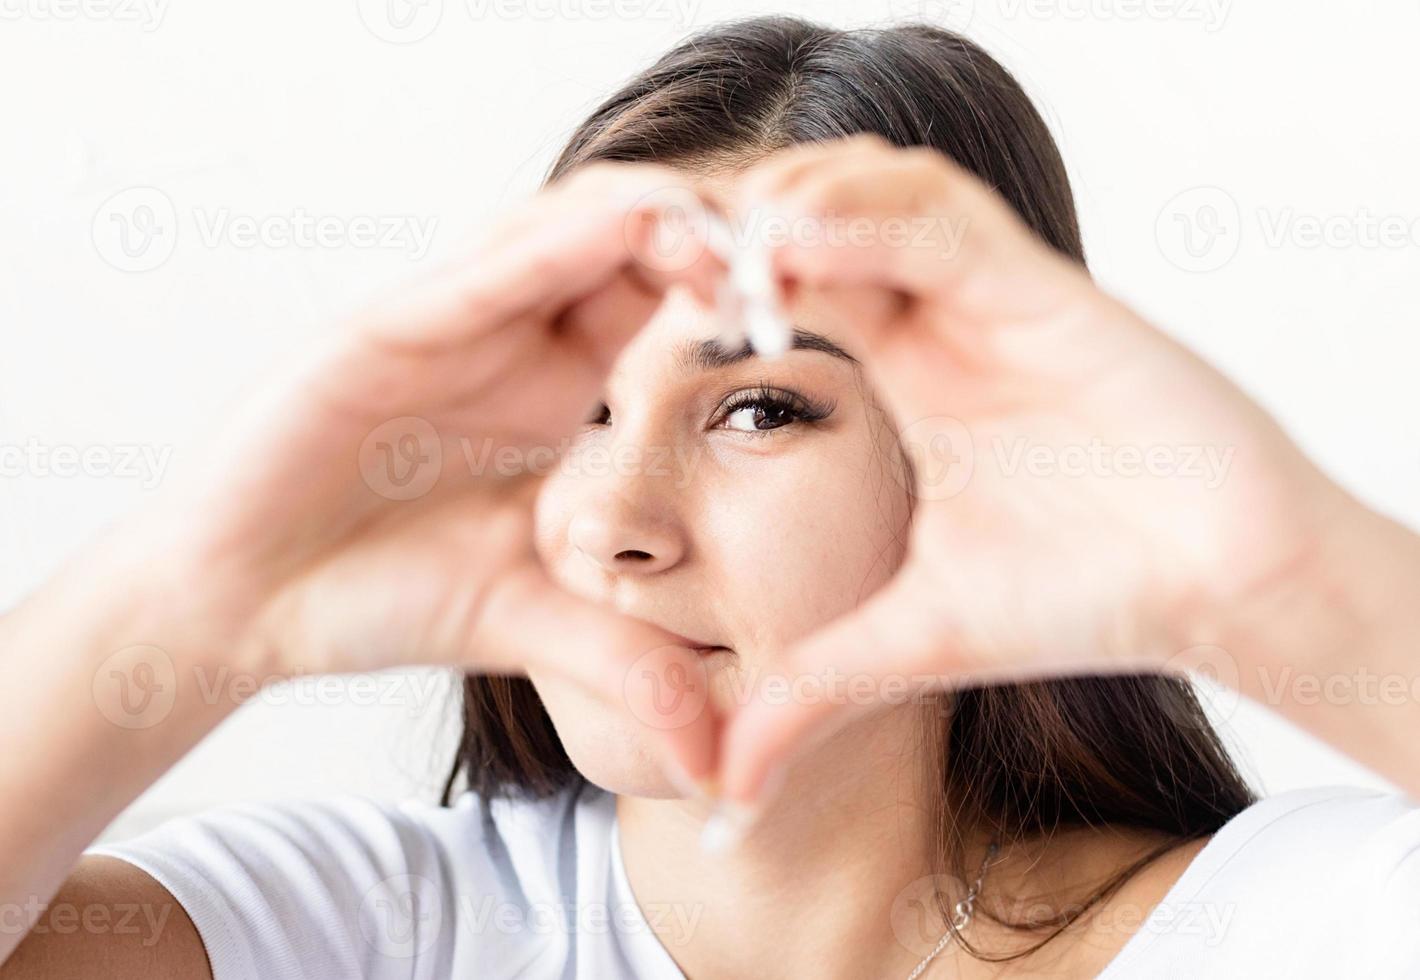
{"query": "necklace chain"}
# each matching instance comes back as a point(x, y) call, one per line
point(961, 915)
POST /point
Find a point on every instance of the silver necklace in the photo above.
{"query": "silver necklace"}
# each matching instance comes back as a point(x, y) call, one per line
point(961, 915)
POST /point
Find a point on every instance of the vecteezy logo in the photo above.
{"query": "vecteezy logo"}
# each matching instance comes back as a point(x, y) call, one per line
point(941, 454)
point(136, 687)
point(1199, 230)
point(679, 229)
point(135, 230)
point(401, 459)
point(954, 14)
point(401, 21)
point(401, 916)
point(667, 687)
point(1216, 679)
point(916, 915)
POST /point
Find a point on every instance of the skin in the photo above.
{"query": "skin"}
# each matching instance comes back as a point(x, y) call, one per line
point(705, 546)
point(1273, 572)
point(292, 553)
point(282, 557)
point(696, 532)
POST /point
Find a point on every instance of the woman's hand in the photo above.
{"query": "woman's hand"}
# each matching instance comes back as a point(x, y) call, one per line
point(371, 508)
point(374, 509)
point(1088, 494)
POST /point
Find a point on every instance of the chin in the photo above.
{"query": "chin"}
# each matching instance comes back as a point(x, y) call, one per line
point(608, 746)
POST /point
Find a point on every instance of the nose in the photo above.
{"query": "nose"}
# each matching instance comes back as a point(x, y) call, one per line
point(626, 535)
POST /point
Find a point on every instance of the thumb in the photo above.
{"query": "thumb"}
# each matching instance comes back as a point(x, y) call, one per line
point(909, 364)
point(883, 653)
point(528, 621)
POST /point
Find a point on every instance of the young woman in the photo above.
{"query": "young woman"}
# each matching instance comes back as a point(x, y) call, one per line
point(983, 760)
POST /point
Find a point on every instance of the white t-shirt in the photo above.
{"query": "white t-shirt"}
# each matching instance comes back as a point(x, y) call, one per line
point(1311, 883)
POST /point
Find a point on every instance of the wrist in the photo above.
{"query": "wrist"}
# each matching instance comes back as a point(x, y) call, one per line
point(1336, 627)
point(134, 610)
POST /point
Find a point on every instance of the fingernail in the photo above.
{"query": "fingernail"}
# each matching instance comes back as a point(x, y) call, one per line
point(731, 820)
point(704, 788)
point(728, 315)
point(769, 334)
point(726, 827)
point(719, 237)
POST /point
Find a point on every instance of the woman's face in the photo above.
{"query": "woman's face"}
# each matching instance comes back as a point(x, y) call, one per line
point(737, 501)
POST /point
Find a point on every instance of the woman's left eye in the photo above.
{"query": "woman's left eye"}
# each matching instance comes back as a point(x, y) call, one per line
point(759, 418)
point(762, 411)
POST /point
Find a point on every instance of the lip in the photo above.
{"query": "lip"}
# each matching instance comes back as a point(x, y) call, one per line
point(699, 646)
point(717, 657)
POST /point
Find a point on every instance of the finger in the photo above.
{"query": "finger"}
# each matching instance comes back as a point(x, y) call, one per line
point(913, 220)
point(590, 337)
point(860, 315)
point(663, 223)
point(574, 359)
point(886, 651)
point(527, 621)
point(562, 246)
point(908, 368)
point(779, 171)
point(598, 327)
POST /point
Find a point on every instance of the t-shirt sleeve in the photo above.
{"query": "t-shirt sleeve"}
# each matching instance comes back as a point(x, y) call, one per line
point(344, 888)
point(1317, 882)
point(1386, 896)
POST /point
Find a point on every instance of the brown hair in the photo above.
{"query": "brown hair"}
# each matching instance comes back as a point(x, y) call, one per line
point(1024, 759)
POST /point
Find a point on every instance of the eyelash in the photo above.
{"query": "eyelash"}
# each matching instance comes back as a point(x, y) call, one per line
point(775, 400)
point(796, 406)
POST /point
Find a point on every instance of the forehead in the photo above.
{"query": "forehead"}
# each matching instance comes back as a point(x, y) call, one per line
point(686, 335)
point(717, 183)
point(680, 320)
point(661, 348)
point(682, 317)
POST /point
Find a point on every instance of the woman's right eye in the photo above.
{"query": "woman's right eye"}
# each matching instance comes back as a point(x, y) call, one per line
point(601, 415)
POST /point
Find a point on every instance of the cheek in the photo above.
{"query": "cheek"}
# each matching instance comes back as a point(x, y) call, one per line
point(551, 516)
point(608, 746)
point(804, 538)
point(783, 543)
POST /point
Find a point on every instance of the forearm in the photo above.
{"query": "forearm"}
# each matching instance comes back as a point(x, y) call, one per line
point(1336, 648)
point(104, 689)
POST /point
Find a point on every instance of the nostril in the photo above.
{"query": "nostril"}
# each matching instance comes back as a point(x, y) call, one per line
point(633, 556)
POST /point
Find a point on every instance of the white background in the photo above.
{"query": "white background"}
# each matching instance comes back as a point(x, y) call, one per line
point(1286, 113)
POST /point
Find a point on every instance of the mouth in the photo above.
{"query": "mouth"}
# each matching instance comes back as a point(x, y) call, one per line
point(704, 649)
point(716, 660)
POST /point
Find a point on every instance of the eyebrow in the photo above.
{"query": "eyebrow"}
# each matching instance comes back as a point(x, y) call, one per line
point(708, 355)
